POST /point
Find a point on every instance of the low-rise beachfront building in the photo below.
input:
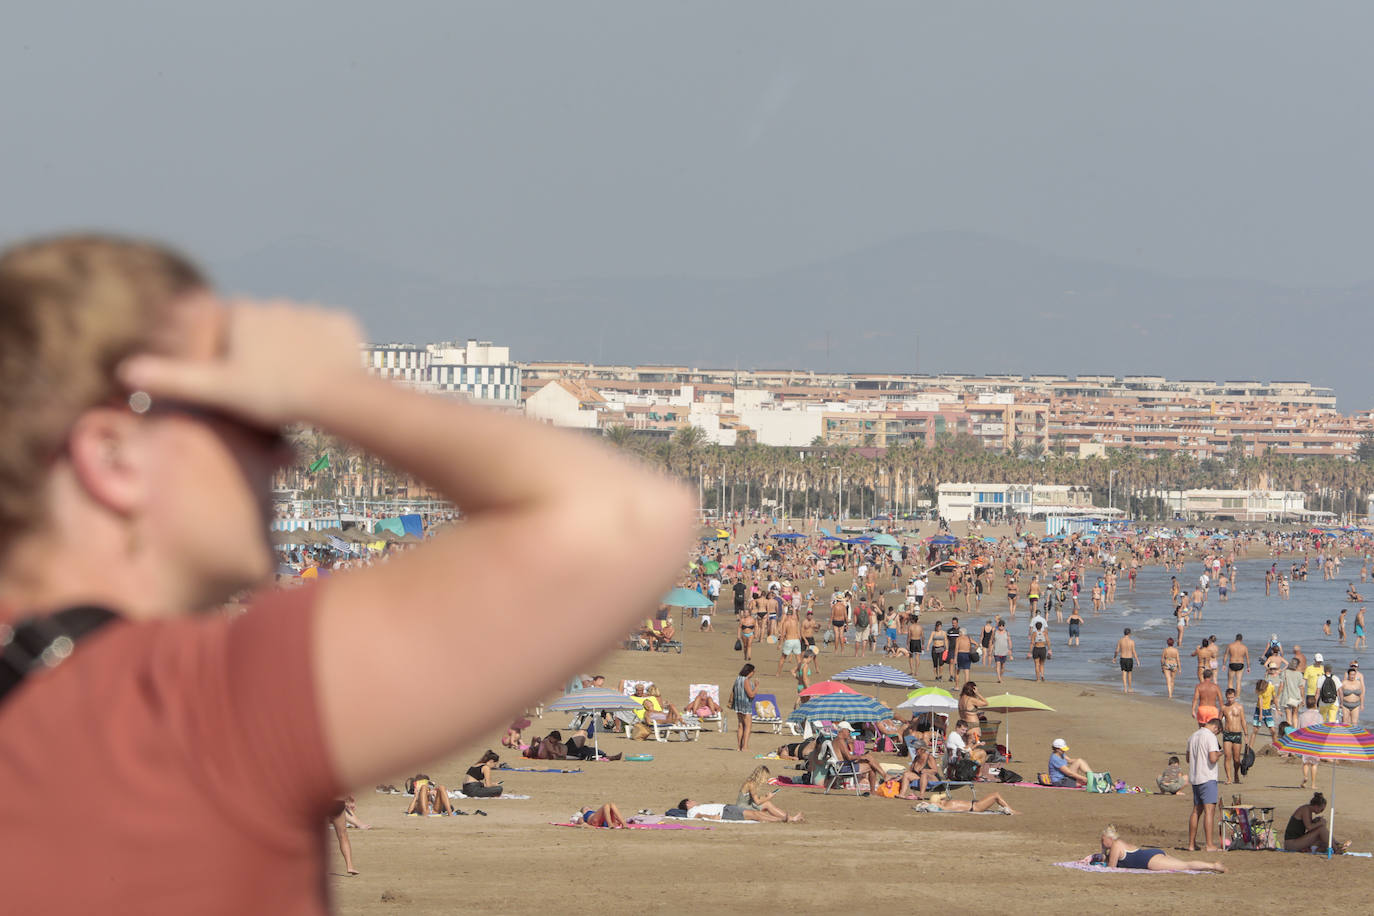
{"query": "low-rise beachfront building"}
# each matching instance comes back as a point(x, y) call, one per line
point(964, 502)
point(1234, 505)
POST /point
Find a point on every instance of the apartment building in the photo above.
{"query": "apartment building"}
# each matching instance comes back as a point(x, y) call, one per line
point(478, 370)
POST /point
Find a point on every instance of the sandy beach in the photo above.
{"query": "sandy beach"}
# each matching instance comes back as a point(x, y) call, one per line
point(879, 850)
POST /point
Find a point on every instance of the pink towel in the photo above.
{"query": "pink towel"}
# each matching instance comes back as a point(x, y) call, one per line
point(639, 826)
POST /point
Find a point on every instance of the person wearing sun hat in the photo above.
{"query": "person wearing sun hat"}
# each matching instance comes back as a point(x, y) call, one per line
point(1065, 770)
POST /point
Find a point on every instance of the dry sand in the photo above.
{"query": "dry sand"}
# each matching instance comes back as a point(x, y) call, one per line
point(850, 849)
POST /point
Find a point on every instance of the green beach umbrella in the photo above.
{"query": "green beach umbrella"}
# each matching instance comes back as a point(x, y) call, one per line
point(1009, 703)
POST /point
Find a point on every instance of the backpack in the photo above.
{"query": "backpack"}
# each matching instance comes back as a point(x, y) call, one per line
point(1008, 776)
point(965, 770)
point(861, 619)
point(1328, 692)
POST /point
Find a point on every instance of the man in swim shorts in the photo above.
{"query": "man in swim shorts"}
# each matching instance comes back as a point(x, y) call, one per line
point(1232, 734)
point(1237, 662)
point(1206, 699)
point(1125, 653)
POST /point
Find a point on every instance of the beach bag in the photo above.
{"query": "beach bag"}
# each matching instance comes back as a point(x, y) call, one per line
point(1328, 693)
point(1100, 782)
point(739, 645)
point(1247, 760)
point(889, 788)
point(1009, 775)
point(641, 732)
point(965, 770)
point(975, 653)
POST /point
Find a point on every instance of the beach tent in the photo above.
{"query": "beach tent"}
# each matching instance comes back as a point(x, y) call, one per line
point(394, 525)
point(412, 524)
point(885, 540)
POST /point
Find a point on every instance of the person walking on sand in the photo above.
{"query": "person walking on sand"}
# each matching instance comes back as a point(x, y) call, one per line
point(1237, 663)
point(742, 702)
point(1040, 649)
point(1002, 648)
point(1234, 735)
point(1169, 663)
point(1203, 754)
point(789, 635)
point(1125, 654)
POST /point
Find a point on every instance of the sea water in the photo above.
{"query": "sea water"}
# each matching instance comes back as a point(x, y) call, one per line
point(1149, 612)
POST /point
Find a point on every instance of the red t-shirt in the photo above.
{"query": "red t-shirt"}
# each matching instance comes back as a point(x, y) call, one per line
point(175, 766)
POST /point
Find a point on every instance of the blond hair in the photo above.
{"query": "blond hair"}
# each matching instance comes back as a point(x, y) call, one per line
point(71, 309)
point(1110, 833)
point(756, 779)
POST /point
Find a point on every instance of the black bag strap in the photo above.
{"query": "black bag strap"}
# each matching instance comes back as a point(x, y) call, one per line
point(40, 643)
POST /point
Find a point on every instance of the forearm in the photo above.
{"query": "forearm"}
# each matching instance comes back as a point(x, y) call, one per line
point(477, 458)
point(543, 510)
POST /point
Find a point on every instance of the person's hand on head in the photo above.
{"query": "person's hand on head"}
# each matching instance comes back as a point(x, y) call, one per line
point(264, 363)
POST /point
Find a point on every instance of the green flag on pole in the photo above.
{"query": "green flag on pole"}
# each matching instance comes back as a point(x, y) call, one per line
point(321, 463)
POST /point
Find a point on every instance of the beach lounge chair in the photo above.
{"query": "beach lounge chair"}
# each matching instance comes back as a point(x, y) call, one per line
point(666, 645)
point(712, 691)
point(767, 712)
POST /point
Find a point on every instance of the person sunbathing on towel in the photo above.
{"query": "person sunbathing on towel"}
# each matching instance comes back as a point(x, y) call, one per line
point(1117, 853)
point(993, 801)
point(608, 815)
point(550, 747)
point(430, 798)
point(578, 749)
point(797, 750)
point(713, 812)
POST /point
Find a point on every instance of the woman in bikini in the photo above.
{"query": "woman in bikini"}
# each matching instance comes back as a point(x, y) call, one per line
point(1116, 853)
point(940, 803)
point(747, 625)
point(1169, 663)
point(939, 644)
point(608, 815)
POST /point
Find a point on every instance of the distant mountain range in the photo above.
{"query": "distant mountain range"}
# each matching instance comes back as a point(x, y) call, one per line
point(926, 302)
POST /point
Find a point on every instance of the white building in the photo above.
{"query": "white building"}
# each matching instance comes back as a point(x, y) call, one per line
point(568, 404)
point(962, 502)
point(1236, 505)
point(477, 369)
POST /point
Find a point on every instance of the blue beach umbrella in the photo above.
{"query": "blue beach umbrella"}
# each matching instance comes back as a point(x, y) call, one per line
point(686, 597)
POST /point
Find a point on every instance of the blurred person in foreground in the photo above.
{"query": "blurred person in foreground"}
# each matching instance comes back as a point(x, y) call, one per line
point(142, 417)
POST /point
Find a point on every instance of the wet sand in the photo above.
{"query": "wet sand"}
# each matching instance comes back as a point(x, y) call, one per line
point(851, 848)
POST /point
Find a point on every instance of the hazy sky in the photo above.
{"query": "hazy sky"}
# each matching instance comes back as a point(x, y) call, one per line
point(548, 140)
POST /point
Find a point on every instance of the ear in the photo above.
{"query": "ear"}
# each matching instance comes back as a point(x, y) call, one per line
point(108, 455)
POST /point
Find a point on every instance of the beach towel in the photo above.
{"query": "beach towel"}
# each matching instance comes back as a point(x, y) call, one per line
point(928, 808)
point(1036, 785)
point(638, 826)
point(1082, 866)
point(787, 783)
point(454, 793)
point(533, 770)
point(697, 820)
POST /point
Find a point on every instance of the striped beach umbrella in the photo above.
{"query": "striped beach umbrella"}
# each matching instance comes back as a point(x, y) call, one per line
point(1329, 741)
point(881, 675)
point(840, 707)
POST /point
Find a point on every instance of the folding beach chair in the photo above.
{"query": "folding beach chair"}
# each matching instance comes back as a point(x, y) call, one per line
point(766, 712)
